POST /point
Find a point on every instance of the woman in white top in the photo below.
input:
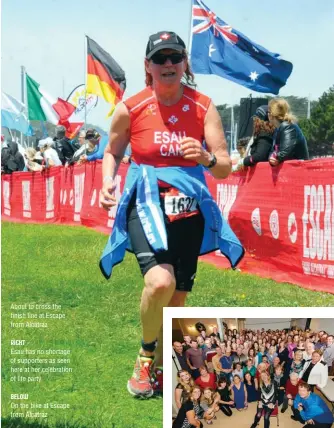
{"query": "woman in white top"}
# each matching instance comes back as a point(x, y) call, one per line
point(307, 354)
point(50, 155)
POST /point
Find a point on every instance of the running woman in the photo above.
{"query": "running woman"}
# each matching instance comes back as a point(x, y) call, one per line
point(166, 215)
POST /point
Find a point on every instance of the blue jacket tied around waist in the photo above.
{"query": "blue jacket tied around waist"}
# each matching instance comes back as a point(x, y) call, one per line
point(188, 180)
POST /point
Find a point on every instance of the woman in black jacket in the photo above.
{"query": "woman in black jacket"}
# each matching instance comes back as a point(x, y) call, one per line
point(260, 145)
point(289, 140)
point(266, 404)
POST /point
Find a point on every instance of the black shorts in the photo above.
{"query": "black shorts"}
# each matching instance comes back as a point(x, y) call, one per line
point(184, 239)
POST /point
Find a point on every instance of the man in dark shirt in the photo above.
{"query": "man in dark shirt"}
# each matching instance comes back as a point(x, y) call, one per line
point(239, 357)
point(182, 359)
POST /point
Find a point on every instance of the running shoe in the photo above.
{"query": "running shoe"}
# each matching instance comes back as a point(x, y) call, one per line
point(140, 383)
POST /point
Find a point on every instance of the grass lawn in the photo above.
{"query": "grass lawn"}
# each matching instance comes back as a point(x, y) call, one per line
point(56, 264)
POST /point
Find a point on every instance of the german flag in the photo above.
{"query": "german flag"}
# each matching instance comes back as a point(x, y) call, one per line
point(105, 77)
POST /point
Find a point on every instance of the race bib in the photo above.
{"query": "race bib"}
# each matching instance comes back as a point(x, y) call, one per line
point(178, 205)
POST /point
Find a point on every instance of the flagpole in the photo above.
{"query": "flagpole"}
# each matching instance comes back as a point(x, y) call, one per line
point(190, 30)
point(85, 78)
point(22, 93)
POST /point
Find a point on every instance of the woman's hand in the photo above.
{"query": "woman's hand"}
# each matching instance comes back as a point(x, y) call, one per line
point(271, 406)
point(192, 149)
point(260, 405)
point(273, 161)
point(107, 195)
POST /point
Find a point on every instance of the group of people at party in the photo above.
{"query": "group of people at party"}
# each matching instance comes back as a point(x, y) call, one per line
point(276, 369)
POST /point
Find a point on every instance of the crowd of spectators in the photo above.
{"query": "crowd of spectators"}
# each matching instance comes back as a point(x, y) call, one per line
point(276, 137)
point(50, 152)
point(278, 368)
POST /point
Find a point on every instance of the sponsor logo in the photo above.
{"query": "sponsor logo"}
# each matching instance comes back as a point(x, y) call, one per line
point(26, 199)
point(274, 224)
point(318, 222)
point(151, 109)
point(292, 227)
point(165, 36)
point(256, 221)
point(49, 184)
point(173, 119)
point(79, 185)
point(226, 196)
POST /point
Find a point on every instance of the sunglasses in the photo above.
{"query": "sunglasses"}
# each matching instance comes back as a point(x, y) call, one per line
point(161, 59)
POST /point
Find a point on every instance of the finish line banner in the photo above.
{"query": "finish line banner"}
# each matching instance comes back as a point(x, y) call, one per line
point(283, 216)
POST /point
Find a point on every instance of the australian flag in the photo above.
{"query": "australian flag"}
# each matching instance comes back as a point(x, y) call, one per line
point(219, 49)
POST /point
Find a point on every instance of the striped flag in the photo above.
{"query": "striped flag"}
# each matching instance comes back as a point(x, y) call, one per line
point(105, 77)
point(43, 107)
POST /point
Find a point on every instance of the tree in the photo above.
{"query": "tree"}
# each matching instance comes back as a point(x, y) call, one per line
point(319, 130)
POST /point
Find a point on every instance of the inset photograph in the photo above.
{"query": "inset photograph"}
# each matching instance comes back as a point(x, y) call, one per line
point(252, 372)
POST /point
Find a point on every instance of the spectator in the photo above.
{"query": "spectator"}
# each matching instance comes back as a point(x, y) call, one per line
point(190, 411)
point(186, 344)
point(280, 380)
point(259, 355)
point(226, 362)
point(310, 409)
point(292, 344)
point(252, 394)
point(297, 363)
point(250, 368)
point(291, 390)
point(63, 145)
point(86, 147)
point(200, 342)
point(289, 141)
point(225, 403)
point(271, 354)
point(50, 155)
point(261, 143)
point(309, 349)
point(181, 356)
point(34, 160)
point(238, 371)
point(100, 142)
point(239, 393)
point(194, 358)
point(240, 357)
point(208, 354)
point(11, 158)
point(266, 404)
point(183, 388)
point(209, 403)
point(328, 355)
point(315, 372)
point(215, 333)
point(217, 367)
point(276, 363)
point(206, 379)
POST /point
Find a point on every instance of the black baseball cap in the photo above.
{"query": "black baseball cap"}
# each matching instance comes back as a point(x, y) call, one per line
point(164, 40)
point(262, 113)
point(92, 134)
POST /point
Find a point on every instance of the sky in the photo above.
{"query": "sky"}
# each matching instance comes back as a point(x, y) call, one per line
point(48, 38)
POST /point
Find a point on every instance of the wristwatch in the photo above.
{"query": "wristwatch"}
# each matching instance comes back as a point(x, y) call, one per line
point(213, 160)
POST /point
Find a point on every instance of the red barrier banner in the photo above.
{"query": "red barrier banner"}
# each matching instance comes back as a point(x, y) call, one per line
point(284, 216)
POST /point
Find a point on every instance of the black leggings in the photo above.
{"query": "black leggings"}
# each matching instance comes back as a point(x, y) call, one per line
point(267, 413)
point(226, 409)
